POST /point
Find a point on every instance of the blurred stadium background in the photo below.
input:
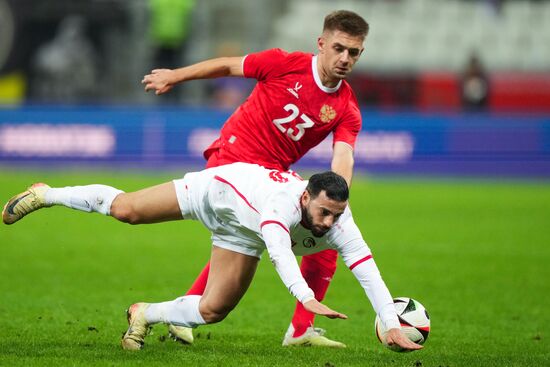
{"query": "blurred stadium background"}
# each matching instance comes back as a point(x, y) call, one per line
point(447, 86)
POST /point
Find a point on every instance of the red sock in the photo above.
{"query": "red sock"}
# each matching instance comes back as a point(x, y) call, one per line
point(197, 289)
point(317, 270)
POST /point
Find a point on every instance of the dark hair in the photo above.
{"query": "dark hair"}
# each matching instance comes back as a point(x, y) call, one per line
point(333, 184)
point(346, 21)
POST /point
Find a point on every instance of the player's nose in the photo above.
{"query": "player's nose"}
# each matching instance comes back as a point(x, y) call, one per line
point(328, 221)
point(344, 57)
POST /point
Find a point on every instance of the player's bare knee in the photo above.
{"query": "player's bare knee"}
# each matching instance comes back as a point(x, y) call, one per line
point(211, 317)
point(123, 211)
point(213, 314)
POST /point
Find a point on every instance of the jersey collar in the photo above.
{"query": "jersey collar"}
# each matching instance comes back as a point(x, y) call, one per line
point(318, 79)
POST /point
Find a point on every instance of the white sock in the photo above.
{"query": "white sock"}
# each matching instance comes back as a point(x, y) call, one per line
point(183, 311)
point(91, 198)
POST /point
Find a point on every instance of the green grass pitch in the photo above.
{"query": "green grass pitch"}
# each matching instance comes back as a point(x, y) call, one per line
point(475, 253)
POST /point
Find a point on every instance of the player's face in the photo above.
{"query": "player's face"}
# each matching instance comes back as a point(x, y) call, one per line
point(320, 214)
point(338, 52)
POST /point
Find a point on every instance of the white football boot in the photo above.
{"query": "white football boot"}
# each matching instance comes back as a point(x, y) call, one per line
point(134, 338)
point(313, 337)
point(24, 203)
point(181, 334)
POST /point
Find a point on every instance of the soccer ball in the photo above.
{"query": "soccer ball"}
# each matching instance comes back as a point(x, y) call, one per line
point(414, 319)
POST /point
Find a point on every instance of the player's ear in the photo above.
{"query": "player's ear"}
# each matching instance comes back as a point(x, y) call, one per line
point(304, 199)
point(321, 43)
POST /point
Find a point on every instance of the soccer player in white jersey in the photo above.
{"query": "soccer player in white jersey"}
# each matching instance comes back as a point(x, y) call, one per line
point(247, 208)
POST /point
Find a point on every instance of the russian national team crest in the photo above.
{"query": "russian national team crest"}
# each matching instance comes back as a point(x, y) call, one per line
point(327, 113)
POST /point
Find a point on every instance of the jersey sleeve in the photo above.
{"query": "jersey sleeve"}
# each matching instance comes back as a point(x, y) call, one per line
point(350, 125)
point(279, 247)
point(263, 65)
point(369, 277)
point(347, 239)
point(275, 223)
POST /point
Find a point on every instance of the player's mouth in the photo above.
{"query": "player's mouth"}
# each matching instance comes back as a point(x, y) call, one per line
point(341, 71)
point(319, 231)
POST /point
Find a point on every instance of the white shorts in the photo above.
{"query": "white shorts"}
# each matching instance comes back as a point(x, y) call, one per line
point(192, 194)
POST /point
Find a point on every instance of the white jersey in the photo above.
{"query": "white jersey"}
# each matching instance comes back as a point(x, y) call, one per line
point(249, 208)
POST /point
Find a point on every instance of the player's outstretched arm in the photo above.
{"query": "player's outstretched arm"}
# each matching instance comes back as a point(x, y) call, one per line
point(396, 337)
point(318, 308)
point(163, 80)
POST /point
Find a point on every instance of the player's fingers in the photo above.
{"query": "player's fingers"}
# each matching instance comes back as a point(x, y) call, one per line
point(340, 316)
point(404, 343)
point(162, 90)
point(335, 315)
point(411, 346)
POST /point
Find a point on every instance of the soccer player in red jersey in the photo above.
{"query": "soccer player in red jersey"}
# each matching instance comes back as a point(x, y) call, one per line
point(299, 99)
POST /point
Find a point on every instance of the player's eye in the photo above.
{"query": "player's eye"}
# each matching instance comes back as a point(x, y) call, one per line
point(354, 52)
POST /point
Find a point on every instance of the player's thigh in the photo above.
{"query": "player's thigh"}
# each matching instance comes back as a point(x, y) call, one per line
point(154, 204)
point(324, 259)
point(228, 280)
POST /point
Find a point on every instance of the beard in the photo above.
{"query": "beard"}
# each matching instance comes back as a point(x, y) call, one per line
point(307, 222)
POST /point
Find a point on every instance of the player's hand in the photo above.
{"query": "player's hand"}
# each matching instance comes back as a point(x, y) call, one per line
point(318, 308)
point(160, 80)
point(396, 337)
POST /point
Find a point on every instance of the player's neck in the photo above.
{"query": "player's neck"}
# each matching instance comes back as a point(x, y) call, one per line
point(324, 77)
point(330, 83)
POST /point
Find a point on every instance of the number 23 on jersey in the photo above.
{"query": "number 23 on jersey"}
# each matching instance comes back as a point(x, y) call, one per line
point(298, 131)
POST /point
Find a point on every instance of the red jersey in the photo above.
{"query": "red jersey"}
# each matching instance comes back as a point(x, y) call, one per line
point(288, 113)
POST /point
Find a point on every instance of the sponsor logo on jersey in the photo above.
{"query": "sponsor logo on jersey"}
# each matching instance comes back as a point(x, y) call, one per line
point(309, 242)
point(327, 113)
point(294, 91)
